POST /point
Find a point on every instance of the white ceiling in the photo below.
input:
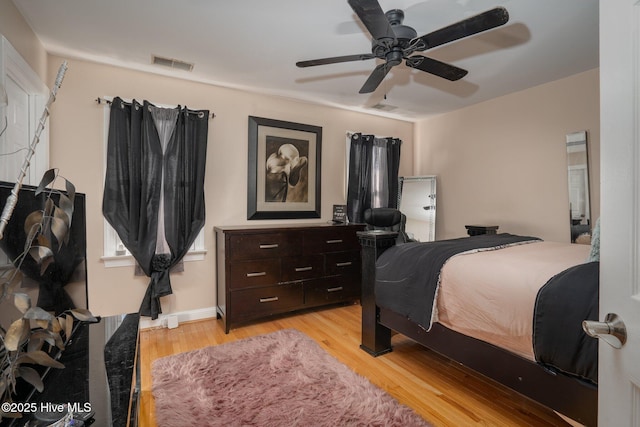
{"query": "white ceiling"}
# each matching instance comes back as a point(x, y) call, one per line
point(254, 45)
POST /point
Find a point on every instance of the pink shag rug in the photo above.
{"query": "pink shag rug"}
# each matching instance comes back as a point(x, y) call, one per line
point(279, 379)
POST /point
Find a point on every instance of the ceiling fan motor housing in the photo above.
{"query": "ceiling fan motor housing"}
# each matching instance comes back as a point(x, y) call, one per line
point(404, 34)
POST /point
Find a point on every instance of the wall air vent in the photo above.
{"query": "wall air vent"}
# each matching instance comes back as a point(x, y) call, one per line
point(171, 63)
point(384, 107)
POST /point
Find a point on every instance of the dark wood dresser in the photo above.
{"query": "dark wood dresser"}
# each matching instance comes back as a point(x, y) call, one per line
point(268, 270)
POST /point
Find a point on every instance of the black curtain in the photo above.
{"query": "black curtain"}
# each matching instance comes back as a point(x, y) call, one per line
point(359, 184)
point(154, 187)
point(393, 168)
point(370, 159)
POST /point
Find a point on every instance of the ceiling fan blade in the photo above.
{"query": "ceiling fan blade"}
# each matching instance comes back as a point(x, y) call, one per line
point(334, 60)
point(467, 27)
point(372, 16)
point(432, 66)
point(375, 78)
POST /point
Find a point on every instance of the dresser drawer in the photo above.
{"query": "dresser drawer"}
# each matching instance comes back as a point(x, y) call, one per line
point(330, 239)
point(342, 263)
point(264, 245)
point(254, 303)
point(246, 274)
point(302, 267)
point(330, 290)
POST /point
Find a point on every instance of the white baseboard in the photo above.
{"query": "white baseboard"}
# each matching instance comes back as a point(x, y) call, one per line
point(182, 316)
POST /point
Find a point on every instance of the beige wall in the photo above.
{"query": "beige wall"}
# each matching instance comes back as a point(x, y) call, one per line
point(503, 162)
point(77, 135)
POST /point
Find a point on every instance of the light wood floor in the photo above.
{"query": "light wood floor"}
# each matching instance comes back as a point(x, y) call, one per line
point(442, 392)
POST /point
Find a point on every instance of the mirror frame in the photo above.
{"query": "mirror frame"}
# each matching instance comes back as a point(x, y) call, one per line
point(431, 202)
point(584, 225)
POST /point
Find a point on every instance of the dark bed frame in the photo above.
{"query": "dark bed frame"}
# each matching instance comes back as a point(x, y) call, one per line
point(571, 397)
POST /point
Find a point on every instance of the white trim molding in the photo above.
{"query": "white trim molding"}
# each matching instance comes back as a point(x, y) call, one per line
point(165, 320)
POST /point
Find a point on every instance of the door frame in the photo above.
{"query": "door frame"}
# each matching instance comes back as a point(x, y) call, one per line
point(14, 67)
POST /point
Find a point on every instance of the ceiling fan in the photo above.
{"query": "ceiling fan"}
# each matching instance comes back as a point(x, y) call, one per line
point(394, 42)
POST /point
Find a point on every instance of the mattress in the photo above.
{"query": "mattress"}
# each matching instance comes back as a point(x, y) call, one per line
point(490, 295)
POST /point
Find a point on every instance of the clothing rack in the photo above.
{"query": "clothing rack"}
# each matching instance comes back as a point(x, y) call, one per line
point(101, 100)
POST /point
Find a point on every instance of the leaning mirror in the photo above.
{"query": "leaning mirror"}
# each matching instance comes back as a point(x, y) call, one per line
point(417, 201)
point(578, 178)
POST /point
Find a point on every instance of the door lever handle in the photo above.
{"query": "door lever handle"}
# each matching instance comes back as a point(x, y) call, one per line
point(613, 330)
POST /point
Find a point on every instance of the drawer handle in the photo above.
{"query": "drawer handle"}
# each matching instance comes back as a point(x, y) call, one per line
point(334, 241)
point(336, 289)
point(270, 299)
point(269, 246)
point(343, 264)
point(299, 269)
point(261, 273)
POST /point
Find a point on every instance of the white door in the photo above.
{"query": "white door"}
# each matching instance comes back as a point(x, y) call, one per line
point(27, 98)
point(619, 370)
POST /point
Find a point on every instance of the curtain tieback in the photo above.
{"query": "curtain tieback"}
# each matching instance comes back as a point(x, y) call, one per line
point(159, 286)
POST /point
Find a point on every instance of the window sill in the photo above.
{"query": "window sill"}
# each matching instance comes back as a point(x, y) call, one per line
point(128, 260)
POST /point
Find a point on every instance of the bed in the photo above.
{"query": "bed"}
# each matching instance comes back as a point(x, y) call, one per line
point(510, 307)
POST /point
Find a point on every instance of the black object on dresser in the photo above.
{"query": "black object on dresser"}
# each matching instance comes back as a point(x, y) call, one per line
point(268, 270)
point(477, 230)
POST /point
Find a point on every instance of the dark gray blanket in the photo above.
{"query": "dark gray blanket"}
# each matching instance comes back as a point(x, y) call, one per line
point(559, 343)
point(407, 275)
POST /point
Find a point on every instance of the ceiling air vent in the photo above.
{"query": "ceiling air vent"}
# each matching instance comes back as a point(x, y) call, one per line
point(384, 107)
point(171, 63)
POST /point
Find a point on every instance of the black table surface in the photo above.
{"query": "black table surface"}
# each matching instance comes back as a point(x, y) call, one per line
point(98, 375)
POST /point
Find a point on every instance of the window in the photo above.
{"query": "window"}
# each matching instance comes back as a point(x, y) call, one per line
point(115, 254)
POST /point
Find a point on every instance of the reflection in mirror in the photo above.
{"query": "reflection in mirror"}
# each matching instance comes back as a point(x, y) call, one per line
point(578, 178)
point(417, 200)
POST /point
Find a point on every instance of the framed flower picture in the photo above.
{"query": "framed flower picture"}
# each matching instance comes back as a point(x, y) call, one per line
point(284, 169)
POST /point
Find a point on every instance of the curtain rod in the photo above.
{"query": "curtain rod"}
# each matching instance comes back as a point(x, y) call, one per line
point(101, 100)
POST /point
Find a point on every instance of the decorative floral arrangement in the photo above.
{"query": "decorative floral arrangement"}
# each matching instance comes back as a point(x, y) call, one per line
point(31, 338)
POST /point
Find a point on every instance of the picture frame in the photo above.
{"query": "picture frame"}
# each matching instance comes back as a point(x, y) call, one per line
point(284, 174)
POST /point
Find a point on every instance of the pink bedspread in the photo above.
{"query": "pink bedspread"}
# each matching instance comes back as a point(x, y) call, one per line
point(490, 295)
